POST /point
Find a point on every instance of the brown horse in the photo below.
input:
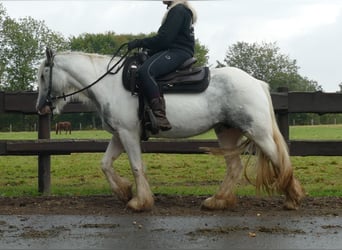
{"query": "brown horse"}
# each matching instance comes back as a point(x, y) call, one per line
point(66, 126)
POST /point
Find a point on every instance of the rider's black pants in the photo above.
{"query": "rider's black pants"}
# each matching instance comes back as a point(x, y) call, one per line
point(158, 65)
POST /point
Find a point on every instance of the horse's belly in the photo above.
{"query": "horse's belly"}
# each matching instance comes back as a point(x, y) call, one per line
point(182, 133)
point(188, 125)
point(190, 115)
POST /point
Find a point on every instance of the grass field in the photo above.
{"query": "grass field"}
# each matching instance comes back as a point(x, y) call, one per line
point(80, 174)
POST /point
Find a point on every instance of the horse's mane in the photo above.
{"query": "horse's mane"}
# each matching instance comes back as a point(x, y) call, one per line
point(91, 56)
point(82, 53)
point(69, 52)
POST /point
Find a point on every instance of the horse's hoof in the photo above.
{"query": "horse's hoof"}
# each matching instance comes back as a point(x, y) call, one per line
point(293, 196)
point(213, 203)
point(290, 205)
point(137, 206)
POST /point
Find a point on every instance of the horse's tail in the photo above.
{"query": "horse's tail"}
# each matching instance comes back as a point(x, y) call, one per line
point(274, 169)
point(56, 128)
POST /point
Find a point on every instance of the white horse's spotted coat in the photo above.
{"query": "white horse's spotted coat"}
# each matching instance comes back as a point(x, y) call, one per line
point(235, 105)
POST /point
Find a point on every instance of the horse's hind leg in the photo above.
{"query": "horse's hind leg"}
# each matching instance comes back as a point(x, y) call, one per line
point(274, 168)
point(119, 185)
point(225, 198)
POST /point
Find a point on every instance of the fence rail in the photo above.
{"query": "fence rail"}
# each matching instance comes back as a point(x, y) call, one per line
point(284, 103)
point(63, 147)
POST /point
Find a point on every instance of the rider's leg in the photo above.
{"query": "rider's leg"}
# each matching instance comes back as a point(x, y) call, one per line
point(158, 65)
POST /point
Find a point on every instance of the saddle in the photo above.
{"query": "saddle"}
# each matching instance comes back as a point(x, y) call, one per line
point(186, 79)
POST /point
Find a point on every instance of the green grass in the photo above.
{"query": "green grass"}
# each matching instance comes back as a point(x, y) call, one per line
point(80, 174)
point(321, 132)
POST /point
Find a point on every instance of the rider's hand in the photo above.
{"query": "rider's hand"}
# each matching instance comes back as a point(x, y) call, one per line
point(134, 44)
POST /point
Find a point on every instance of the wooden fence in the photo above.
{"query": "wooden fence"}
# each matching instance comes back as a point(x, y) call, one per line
point(284, 103)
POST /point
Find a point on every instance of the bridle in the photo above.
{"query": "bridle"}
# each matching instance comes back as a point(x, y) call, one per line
point(50, 63)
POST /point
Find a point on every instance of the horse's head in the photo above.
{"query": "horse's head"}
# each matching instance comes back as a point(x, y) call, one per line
point(70, 76)
point(44, 104)
point(51, 81)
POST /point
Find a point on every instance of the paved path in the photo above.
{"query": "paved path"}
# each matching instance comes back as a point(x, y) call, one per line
point(169, 232)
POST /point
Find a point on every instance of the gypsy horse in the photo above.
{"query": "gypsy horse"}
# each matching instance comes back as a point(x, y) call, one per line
point(63, 126)
point(237, 106)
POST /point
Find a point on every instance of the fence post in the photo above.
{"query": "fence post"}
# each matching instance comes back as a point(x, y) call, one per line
point(44, 160)
point(283, 118)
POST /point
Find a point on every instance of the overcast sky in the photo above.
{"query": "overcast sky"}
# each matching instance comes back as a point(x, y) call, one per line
point(306, 30)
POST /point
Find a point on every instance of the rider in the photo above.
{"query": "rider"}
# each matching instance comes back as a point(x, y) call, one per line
point(170, 47)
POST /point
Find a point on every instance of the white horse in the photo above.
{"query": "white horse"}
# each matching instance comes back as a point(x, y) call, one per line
point(235, 105)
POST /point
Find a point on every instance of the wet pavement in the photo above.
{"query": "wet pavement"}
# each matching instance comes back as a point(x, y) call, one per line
point(139, 231)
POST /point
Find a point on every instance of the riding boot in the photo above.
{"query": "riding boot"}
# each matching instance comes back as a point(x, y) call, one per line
point(158, 108)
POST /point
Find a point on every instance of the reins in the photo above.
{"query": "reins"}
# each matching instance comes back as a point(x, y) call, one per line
point(50, 63)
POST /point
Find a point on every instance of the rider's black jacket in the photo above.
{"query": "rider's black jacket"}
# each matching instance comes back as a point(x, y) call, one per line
point(176, 32)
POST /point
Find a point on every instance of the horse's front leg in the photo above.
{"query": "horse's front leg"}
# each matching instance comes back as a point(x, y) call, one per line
point(144, 198)
point(119, 185)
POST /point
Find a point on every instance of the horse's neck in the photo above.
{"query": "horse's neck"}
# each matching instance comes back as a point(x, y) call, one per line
point(83, 66)
point(84, 69)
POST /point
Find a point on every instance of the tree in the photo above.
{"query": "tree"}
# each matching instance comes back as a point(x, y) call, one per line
point(201, 53)
point(109, 42)
point(265, 62)
point(104, 44)
point(22, 47)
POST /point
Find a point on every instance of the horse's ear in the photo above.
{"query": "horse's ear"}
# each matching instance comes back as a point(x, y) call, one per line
point(49, 56)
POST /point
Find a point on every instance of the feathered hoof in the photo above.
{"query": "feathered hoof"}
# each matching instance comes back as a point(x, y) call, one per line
point(294, 195)
point(137, 205)
point(125, 193)
point(290, 205)
point(214, 203)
